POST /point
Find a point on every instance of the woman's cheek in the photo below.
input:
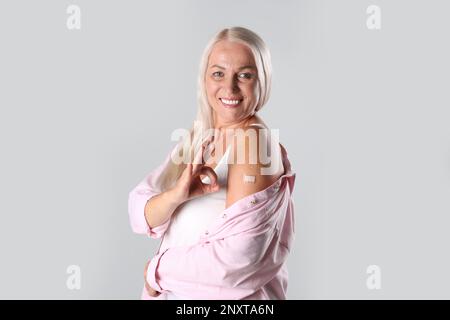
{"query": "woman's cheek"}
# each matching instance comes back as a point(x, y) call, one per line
point(209, 94)
point(210, 90)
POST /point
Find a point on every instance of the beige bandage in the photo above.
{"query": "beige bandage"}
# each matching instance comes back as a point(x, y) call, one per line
point(249, 179)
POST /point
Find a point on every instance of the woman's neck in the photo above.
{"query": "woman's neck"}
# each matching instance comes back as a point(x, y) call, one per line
point(222, 127)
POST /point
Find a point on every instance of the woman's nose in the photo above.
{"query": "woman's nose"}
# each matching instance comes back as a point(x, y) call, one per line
point(232, 84)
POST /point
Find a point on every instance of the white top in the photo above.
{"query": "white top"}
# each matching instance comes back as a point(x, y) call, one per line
point(191, 219)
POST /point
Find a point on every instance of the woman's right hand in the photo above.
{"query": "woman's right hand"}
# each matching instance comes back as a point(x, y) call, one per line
point(150, 291)
point(190, 185)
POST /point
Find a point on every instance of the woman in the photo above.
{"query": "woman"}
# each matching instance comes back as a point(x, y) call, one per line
point(226, 221)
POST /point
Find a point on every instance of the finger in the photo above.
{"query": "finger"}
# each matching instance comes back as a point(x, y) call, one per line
point(198, 160)
point(187, 170)
point(150, 291)
point(212, 177)
point(153, 293)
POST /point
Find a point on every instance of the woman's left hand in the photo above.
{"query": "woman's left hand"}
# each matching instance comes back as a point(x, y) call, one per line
point(151, 292)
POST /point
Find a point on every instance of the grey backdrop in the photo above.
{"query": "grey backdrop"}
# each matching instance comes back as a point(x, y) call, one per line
point(364, 114)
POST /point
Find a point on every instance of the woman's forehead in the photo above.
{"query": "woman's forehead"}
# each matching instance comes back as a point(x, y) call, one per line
point(225, 53)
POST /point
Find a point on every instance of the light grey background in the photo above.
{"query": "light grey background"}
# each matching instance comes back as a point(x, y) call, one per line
point(364, 115)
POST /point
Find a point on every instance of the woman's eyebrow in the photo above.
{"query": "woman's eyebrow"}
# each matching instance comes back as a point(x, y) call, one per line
point(217, 66)
point(243, 67)
point(247, 67)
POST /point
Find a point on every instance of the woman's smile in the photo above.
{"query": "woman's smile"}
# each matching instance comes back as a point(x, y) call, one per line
point(231, 102)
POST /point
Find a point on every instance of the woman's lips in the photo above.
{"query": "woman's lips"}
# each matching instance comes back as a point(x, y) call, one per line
point(230, 103)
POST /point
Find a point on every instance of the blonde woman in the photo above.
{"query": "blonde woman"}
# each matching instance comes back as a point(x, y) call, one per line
point(221, 205)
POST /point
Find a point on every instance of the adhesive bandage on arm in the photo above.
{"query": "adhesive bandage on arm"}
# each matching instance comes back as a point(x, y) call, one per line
point(249, 179)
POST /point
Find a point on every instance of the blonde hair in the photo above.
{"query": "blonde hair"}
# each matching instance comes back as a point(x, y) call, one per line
point(201, 130)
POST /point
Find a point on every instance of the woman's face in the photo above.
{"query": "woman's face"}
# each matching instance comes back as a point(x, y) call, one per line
point(231, 82)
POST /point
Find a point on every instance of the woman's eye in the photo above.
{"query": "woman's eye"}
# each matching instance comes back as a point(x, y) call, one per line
point(245, 75)
point(217, 74)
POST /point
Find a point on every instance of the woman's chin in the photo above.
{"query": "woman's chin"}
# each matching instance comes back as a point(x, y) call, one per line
point(228, 118)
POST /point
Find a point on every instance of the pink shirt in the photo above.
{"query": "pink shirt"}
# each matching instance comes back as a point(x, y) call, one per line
point(241, 256)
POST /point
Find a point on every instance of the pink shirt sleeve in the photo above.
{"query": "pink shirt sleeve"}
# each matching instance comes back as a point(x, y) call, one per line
point(137, 199)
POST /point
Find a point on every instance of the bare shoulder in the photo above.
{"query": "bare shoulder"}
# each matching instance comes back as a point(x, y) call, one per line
point(255, 162)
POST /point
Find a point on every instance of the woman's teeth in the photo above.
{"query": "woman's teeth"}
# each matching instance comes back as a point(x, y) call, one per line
point(230, 102)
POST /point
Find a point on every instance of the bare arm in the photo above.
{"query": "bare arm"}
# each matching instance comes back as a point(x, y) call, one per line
point(238, 187)
point(160, 207)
